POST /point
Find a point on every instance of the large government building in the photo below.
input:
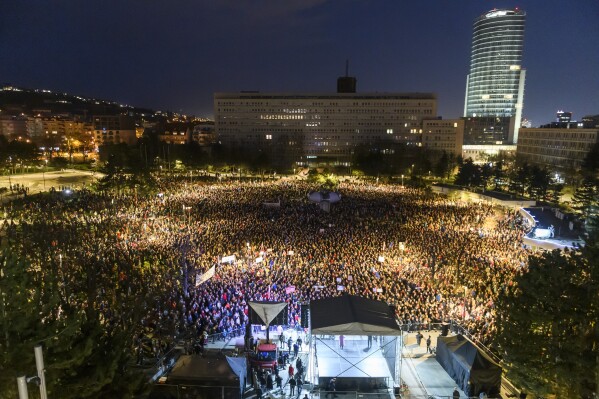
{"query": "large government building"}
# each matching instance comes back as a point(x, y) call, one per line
point(559, 146)
point(320, 127)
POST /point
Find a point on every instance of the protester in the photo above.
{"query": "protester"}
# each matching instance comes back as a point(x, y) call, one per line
point(433, 258)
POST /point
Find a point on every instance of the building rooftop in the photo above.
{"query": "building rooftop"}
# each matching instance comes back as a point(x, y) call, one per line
point(326, 96)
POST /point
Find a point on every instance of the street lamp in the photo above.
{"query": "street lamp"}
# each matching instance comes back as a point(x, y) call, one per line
point(40, 378)
point(401, 181)
point(44, 172)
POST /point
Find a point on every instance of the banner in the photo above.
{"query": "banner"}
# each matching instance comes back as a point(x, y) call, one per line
point(228, 259)
point(381, 259)
point(259, 260)
point(290, 289)
point(340, 288)
point(201, 278)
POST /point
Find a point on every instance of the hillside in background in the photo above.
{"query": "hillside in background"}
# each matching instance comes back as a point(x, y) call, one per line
point(16, 101)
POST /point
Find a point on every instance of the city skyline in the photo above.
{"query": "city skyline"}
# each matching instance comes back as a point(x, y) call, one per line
point(175, 58)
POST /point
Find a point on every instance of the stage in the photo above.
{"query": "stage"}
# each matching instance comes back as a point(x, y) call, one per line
point(355, 360)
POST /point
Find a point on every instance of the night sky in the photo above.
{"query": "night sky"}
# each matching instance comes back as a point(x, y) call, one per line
point(174, 54)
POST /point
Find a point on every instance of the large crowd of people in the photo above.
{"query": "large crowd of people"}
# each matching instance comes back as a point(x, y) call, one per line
point(435, 259)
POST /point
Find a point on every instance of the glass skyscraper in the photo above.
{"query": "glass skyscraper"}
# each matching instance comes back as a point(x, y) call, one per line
point(495, 85)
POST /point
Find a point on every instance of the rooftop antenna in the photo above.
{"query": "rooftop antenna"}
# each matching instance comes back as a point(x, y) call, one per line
point(346, 84)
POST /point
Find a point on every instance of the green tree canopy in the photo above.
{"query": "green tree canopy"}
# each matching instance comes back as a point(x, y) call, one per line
point(549, 334)
point(469, 174)
point(585, 200)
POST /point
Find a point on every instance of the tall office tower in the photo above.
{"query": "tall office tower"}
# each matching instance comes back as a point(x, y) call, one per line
point(563, 116)
point(495, 85)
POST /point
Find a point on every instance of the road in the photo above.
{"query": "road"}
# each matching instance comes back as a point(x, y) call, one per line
point(38, 182)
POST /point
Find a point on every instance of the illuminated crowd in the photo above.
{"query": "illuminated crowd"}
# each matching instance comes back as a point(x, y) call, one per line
point(435, 259)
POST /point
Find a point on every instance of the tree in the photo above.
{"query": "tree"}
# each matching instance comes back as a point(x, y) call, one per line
point(591, 161)
point(469, 174)
point(556, 192)
point(486, 173)
point(585, 200)
point(498, 175)
point(442, 166)
point(326, 181)
point(519, 180)
point(81, 360)
point(539, 180)
point(84, 307)
point(548, 332)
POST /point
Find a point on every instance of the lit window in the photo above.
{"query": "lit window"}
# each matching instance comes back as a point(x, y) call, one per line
point(455, 124)
point(269, 137)
point(389, 131)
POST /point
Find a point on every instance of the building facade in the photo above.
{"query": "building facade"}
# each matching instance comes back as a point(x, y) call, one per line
point(443, 135)
point(204, 134)
point(176, 133)
point(495, 84)
point(13, 128)
point(114, 129)
point(483, 153)
point(314, 128)
point(489, 130)
point(556, 148)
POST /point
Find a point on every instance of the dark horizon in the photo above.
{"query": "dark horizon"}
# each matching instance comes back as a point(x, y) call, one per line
point(174, 58)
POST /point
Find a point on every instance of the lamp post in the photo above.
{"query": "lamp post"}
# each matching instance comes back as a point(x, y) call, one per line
point(40, 377)
point(44, 172)
point(39, 365)
point(22, 385)
point(401, 181)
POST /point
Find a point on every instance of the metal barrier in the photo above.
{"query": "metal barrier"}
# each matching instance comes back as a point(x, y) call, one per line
point(169, 391)
point(408, 396)
point(381, 394)
point(455, 327)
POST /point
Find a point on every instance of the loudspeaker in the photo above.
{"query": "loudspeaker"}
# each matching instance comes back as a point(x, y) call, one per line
point(281, 319)
point(305, 315)
point(444, 329)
